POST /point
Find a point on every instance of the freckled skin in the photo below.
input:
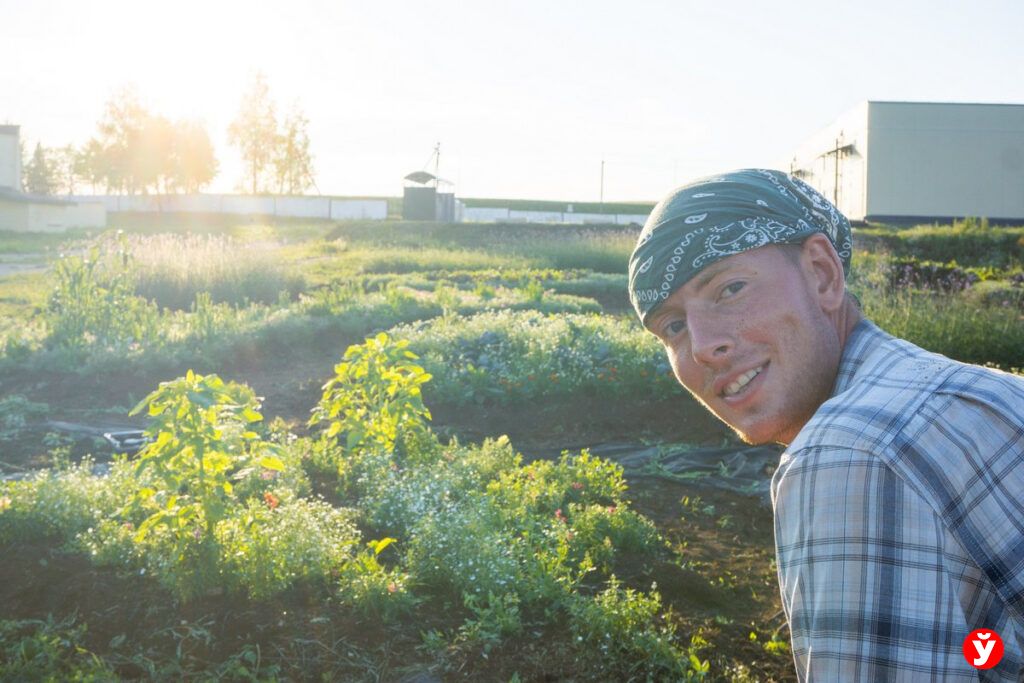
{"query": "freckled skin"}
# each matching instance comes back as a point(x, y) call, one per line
point(762, 306)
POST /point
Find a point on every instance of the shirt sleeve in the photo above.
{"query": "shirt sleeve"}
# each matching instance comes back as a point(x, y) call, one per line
point(862, 563)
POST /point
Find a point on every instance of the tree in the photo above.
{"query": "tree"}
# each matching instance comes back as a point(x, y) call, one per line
point(120, 134)
point(195, 162)
point(254, 132)
point(63, 160)
point(39, 177)
point(89, 164)
point(138, 151)
point(293, 164)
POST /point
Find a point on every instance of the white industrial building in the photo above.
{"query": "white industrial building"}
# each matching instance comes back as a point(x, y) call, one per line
point(906, 162)
point(35, 213)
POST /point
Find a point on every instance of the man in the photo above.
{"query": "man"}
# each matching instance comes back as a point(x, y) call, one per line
point(899, 501)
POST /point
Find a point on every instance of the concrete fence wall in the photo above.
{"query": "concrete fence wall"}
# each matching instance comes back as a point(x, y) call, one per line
point(493, 215)
point(330, 208)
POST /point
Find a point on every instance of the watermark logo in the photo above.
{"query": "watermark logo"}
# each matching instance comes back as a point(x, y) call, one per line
point(983, 648)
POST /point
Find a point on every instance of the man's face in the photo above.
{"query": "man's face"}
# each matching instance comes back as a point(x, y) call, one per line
point(749, 339)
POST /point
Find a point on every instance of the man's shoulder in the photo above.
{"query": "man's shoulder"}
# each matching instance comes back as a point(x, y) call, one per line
point(895, 382)
point(890, 380)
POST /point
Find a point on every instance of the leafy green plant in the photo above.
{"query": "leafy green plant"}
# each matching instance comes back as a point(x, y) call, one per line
point(272, 543)
point(373, 589)
point(534, 292)
point(621, 624)
point(510, 356)
point(374, 399)
point(63, 504)
point(92, 305)
point(201, 440)
point(48, 650)
point(15, 413)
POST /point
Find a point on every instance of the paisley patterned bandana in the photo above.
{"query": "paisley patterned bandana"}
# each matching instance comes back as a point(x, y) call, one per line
point(722, 215)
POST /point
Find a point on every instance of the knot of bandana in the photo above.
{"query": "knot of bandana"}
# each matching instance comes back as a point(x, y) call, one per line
point(722, 215)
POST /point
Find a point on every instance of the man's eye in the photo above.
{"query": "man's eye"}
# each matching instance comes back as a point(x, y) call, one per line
point(732, 288)
point(675, 327)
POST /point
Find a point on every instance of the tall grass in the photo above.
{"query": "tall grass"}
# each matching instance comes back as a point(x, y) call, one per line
point(954, 324)
point(172, 269)
point(969, 242)
point(405, 248)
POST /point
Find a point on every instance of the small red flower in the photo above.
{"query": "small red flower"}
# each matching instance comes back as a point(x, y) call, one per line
point(577, 486)
point(271, 500)
point(392, 588)
point(611, 509)
point(559, 516)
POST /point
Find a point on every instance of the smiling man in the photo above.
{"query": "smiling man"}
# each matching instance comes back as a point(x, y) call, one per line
point(899, 501)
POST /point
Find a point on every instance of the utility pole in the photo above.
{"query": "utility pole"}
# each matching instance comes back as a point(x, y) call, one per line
point(835, 186)
point(602, 185)
point(437, 165)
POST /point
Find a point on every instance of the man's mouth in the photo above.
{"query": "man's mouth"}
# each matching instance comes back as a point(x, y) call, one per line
point(740, 384)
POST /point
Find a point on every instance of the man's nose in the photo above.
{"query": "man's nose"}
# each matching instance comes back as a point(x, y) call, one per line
point(711, 341)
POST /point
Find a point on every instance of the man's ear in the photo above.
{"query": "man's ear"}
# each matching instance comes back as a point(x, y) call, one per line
point(824, 271)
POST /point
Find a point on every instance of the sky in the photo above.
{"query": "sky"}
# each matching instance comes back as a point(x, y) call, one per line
point(526, 98)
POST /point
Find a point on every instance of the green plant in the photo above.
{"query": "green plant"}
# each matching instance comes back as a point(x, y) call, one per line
point(373, 589)
point(94, 305)
point(63, 504)
point(272, 543)
point(374, 399)
point(15, 413)
point(534, 292)
point(48, 650)
point(201, 439)
point(620, 624)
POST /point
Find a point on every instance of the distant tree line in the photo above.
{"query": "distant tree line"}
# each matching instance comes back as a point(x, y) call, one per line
point(136, 151)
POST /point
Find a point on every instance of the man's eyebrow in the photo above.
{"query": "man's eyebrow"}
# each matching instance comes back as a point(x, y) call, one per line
point(709, 274)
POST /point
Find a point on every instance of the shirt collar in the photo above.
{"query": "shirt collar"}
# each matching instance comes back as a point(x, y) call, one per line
point(864, 338)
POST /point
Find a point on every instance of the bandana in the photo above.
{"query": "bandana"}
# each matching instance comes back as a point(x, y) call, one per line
point(719, 216)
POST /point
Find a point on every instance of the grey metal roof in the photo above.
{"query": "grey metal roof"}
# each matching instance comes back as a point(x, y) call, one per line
point(944, 104)
point(9, 195)
point(8, 128)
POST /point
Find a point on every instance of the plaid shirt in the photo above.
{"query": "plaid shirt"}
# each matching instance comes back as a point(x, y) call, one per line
point(899, 518)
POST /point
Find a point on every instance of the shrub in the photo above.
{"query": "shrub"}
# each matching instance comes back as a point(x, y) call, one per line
point(372, 589)
point(506, 356)
point(15, 413)
point(63, 504)
point(93, 306)
point(271, 544)
point(620, 625)
point(940, 277)
point(997, 293)
point(969, 242)
point(374, 399)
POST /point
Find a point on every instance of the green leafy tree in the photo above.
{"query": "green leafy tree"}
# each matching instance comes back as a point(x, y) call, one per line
point(254, 132)
point(293, 164)
point(137, 151)
point(39, 173)
point(195, 163)
point(64, 169)
point(118, 143)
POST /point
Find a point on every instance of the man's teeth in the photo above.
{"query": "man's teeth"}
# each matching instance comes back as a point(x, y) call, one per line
point(742, 381)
